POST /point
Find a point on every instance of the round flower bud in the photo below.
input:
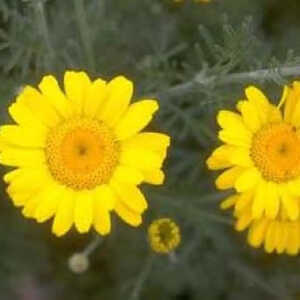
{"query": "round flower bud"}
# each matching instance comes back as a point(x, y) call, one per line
point(78, 263)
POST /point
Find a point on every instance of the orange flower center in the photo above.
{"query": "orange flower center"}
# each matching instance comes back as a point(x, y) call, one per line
point(276, 152)
point(82, 153)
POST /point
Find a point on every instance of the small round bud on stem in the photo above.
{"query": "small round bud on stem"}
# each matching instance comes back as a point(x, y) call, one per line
point(79, 263)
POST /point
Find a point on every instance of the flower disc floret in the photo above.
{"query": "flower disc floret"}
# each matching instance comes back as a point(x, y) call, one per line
point(82, 153)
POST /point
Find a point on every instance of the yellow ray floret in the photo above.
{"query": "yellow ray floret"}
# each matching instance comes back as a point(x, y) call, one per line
point(261, 155)
point(80, 153)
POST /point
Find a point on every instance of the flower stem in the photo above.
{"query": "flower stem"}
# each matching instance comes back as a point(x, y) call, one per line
point(258, 75)
point(142, 278)
point(85, 33)
point(93, 245)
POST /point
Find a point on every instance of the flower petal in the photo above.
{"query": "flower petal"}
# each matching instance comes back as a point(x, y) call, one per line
point(128, 174)
point(291, 206)
point(132, 218)
point(101, 219)
point(95, 95)
point(257, 231)
point(136, 118)
point(247, 180)
point(220, 158)
point(83, 212)
point(64, 217)
point(131, 196)
point(76, 87)
point(23, 136)
point(51, 90)
point(228, 178)
point(38, 105)
point(119, 93)
point(106, 195)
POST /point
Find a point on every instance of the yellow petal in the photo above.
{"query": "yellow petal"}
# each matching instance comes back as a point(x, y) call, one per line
point(272, 200)
point(22, 157)
point(234, 130)
point(39, 106)
point(260, 101)
point(154, 141)
point(229, 202)
point(257, 231)
point(136, 118)
point(283, 236)
point(83, 212)
point(64, 217)
point(96, 94)
point(23, 136)
point(141, 159)
point(154, 177)
point(247, 180)
point(127, 215)
point(128, 174)
point(241, 157)
point(76, 87)
point(250, 115)
point(228, 178)
point(31, 205)
point(25, 183)
point(292, 105)
point(291, 206)
point(220, 158)
point(106, 195)
point(243, 201)
point(235, 137)
point(243, 221)
point(25, 117)
point(259, 201)
point(101, 219)
point(292, 246)
point(285, 92)
point(119, 93)
point(230, 120)
point(293, 187)
point(48, 205)
point(30, 208)
point(51, 90)
point(131, 196)
point(10, 176)
point(270, 238)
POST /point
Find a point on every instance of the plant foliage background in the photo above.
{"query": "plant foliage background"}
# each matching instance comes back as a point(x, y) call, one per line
point(196, 59)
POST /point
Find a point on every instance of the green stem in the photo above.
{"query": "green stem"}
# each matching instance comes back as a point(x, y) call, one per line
point(142, 278)
point(201, 79)
point(93, 245)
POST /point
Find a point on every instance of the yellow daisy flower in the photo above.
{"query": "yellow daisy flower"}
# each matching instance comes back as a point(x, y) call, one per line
point(164, 235)
point(80, 153)
point(262, 157)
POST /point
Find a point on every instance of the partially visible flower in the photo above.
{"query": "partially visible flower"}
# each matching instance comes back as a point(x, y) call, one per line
point(279, 235)
point(262, 157)
point(164, 235)
point(80, 154)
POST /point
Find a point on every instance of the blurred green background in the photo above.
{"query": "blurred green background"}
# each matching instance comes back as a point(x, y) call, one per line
point(162, 46)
